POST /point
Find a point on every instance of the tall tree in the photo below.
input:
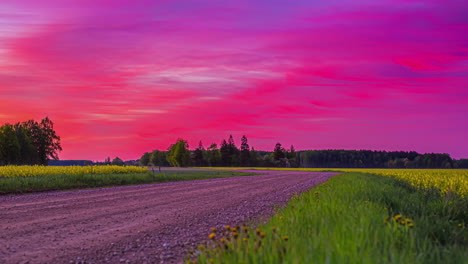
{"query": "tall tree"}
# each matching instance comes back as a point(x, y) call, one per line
point(198, 155)
point(253, 157)
point(233, 152)
point(28, 154)
point(278, 152)
point(225, 153)
point(43, 137)
point(9, 146)
point(244, 152)
point(213, 155)
point(178, 154)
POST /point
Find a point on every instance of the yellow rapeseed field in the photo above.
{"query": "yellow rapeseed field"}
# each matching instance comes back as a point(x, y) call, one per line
point(454, 180)
point(28, 171)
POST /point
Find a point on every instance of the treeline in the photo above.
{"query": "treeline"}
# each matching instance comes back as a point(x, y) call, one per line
point(226, 154)
point(29, 142)
point(373, 159)
point(229, 155)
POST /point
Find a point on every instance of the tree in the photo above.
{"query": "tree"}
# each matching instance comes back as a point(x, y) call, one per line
point(292, 157)
point(43, 137)
point(233, 152)
point(213, 155)
point(144, 160)
point(158, 158)
point(225, 153)
point(198, 155)
point(118, 161)
point(107, 161)
point(244, 152)
point(278, 152)
point(178, 154)
point(28, 153)
point(253, 157)
point(9, 146)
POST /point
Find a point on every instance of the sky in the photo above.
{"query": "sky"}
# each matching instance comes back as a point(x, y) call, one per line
point(124, 77)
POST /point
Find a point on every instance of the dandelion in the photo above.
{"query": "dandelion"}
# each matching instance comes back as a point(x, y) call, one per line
point(213, 229)
point(245, 239)
point(262, 235)
point(397, 217)
point(258, 231)
point(234, 229)
point(227, 227)
point(212, 236)
point(273, 229)
point(316, 192)
point(211, 260)
point(281, 218)
point(222, 240)
point(235, 234)
point(285, 238)
point(402, 222)
point(408, 220)
point(460, 225)
point(201, 247)
point(411, 225)
point(245, 228)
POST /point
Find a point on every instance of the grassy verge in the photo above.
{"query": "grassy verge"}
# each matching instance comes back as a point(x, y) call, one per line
point(30, 184)
point(353, 218)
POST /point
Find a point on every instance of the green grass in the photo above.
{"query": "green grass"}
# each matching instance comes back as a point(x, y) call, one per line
point(18, 185)
point(342, 221)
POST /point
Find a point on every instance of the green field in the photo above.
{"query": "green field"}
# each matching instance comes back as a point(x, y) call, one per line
point(28, 184)
point(353, 218)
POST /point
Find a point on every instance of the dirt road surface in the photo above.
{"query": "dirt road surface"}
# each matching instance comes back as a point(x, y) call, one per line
point(155, 223)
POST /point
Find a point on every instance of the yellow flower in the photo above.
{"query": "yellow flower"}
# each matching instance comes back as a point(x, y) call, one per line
point(212, 236)
point(262, 234)
point(234, 229)
point(397, 217)
point(411, 225)
point(245, 239)
point(285, 238)
point(235, 235)
point(222, 240)
point(460, 225)
point(408, 220)
point(227, 227)
point(213, 229)
point(258, 231)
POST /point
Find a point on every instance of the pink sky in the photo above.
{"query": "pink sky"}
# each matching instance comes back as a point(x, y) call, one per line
point(121, 77)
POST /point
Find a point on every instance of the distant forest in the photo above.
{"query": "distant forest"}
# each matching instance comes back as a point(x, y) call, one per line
point(229, 155)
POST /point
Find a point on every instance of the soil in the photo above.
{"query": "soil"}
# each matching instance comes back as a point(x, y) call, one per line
point(154, 223)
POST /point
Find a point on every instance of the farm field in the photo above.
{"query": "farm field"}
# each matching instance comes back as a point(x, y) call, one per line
point(361, 216)
point(446, 180)
point(27, 179)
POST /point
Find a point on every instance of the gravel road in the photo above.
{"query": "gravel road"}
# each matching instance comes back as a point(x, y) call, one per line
point(154, 223)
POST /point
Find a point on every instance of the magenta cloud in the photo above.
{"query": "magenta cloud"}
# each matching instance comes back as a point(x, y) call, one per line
point(125, 77)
